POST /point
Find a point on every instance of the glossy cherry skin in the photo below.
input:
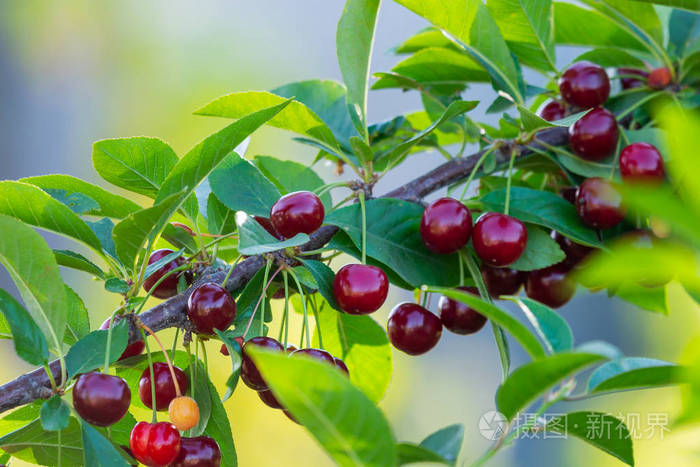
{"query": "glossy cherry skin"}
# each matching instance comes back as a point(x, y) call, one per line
point(298, 212)
point(155, 445)
point(341, 366)
point(360, 289)
point(445, 226)
point(553, 110)
point(499, 239)
point(167, 288)
point(413, 329)
point(202, 451)
point(659, 78)
point(132, 349)
point(267, 225)
point(318, 354)
point(458, 317)
point(101, 399)
point(269, 399)
point(550, 286)
point(249, 372)
point(211, 307)
point(165, 389)
point(629, 83)
point(502, 281)
point(641, 162)
point(594, 136)
point(585, 85)
point(598, 203)
point(575, 252)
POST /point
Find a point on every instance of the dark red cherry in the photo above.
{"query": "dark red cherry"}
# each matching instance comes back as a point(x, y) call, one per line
point(341, 366)
point(499, 239)
point(445, 226)
point(641, 162)
point(598, 203)
point(575, 252)
point(502, 281)
point(291, 348)
point(360, 289)
point(267, 225)
point(211, 307)
point(594, 136)
point(629, 82)
point(249, 372)
point(458, 317)
point(165, 389)
point(269, 399)
point(551, 286)
point(224, 350)
point(553, 110)
point(202, 451)
point(298, 212)
point(659, 78)
point(155, 444)
point(101, 399)
point(318, 354)
point(413, 329)
point(585, 85)
point(569, 194)
point(167, 288)
point(132, 349)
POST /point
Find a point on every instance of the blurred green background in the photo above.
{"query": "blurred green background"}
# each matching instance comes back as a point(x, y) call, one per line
point(73, 72)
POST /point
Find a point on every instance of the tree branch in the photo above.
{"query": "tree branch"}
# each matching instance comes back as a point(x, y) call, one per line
point(173, 312)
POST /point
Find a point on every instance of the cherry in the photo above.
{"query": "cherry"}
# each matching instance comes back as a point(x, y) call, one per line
point(298, 212)
point(599, 204)
point(155, 444)
point(267, 225)
point(249, 372)
point(360, 289)
point(132, 349)
point(318, 354)
point(629, 83)
point(183, 412)
point(659, 78)
point(269, 399)
point(641, 162)
point(594, 136)
point(575, 252)
point(445, 226)
point(211, 307)
point(550, 286)
point(202, 451)
point(585, 85)
point(569, 194)
point(167, 288)
point(165, 389)
point(101, 399)
point(341, 366)
point(459, 317)
point(502, 281)
point(413, 329)
point(499, 239)
point(553, 110)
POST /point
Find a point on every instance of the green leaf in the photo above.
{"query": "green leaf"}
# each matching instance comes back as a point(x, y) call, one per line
point(690, 5)
point(290, 176)
point(200, 388)
point(549, 325)
point(683, 165)
point(35, 207)
point(30, 343)
point(652, 299)
point(532, 122)
point(234, 351)
point(341, 418)
point(137, 164)
point(78, 321)
point(55, 414)
point(412, 453)
point(220, 219)
point(240, 186)
point(442, 447)
point(89, 352)
point(572, 26)
point(32, 444)
point(638, 17)
point(117, 285)
point(608, 434)
point(324, 276)
point(634, 373)
point(98, 450)
point(541, 251)
point(246, 302)
point(255, 240)
point(362, 151)
point(109, 204)
point(362, 344)
point(531, 380)
point(497, 316)
point(682, 29)
point(103, 230)
point(611, 57)
point(71, 259)
point(32, 266)
point(354, 38)
point(220, 429)
point(428, 37)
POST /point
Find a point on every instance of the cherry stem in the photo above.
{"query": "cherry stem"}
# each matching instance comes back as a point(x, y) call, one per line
point(509, 181)
point(303, 303)
point(191, 365)
point(320, 191)
point(230, 270)
point(154, 418)
point(618, 149)
point(286, 307)
point(262, 296)
point(312, 300)
point(167, 360)
point(461, 270)
point(361, 196)
point(158, 282)
point(109, 339)
point(475, 170)
point(204, 354)
point(50, 375)
point(177, 334)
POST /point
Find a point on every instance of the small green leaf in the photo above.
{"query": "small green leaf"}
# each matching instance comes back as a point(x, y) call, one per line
point(246, 302)
point(290, 176)
point(220, 219)
point(445, 442)
point(71, 259)
point(611, 57)
point(361, 150)
point(220, 429)
point(324, 276)
point(103, 229)
point(572, 26)
point(532, 122)
point(32, 444)
point(412, 453)
point(89, 352)
point(153, 267)
point(116, 285)
point(29, 341)
point(98, 451)
point(255, 240)
point(541, 251)
point(549, 325)
point(55, 414)
point(634, 373)
point(79, 203)
point(234, 351)
point(200, 388)
point(78, 321)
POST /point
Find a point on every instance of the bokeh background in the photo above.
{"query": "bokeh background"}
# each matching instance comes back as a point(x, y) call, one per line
point(74, 72)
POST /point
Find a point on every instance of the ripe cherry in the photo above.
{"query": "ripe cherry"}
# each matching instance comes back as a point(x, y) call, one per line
point(575, 252)
point(641, 162)
point(156, 444)
point(202, 451)
point(101, 399)
point(132, 349)
point(318, 354)
point(553, 110)
point(298, 212)
point(413, 329)
point(165, 389)
point(183, 412)
point(659, 78)
point(585, 85)
point(445, 226)
point(599, 204)
point(267, 225)
point(360, 289)
point(499, 239)
point(269, 399)
point(502, 281)
point(459, 317)
point(594, 136)
point(341, 366)
point(211, 307)
point(551, 286)
point(167, 288)
point(249, 372)
point(629, 83)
